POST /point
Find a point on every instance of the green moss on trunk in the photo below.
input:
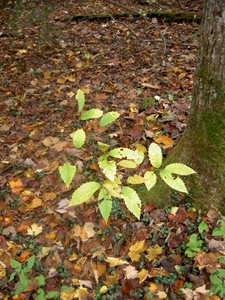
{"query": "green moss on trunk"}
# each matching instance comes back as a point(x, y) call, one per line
point(202, 146)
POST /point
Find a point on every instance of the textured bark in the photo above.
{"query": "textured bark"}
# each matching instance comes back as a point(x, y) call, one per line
point(203, 144)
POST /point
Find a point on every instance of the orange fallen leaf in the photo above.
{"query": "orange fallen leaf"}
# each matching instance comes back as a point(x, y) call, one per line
point(24, 256)
point(50, 236)
point(16, 186)
point(22, 227)
point(164, 139)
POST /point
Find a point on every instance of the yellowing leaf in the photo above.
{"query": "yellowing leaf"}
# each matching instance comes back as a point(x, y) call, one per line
point(102, 146)
point(136, 249)
point(103, 289)
point(141, 147)
point(142, 275)
point(47, 74)
point(78, 138)
point(162, 295)
point(70, 294)
point(174, 210)
point(136, 179)
point(133, 108)
point(152, 287)
point(34, 229)
point(36, 202)
point(128, 164)
point(22, 51)
point(61, 80)
point(112, 188)
point(67, 172)
point(71, 78)
point(132, 201)
point(84, 193)
point(69, 53)
point(150, 179)
point(2, 271)
point(113, 261)
point(153, 252)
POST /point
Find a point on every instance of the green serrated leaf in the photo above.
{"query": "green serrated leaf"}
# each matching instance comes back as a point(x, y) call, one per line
point(78, 138)
point(155, 155)
point(40, 280)
point(150, 179)
point(80, 99)
point(108, 168)
point(84, 193)
point(203, 227)
point(179, 169)
point(175, 183)
point(24, 281)
point(132, 201)
point(93, 113)
point(125, 153)
point(15, 264)
point(194, 244)
point(105, 208)
point(67, 172)
point(103, 147)
point(12, 276)
point(30, 262)
point(136, 179)
point(52, 295)
point(108, 118)
point(220, 231)
point(220, 272)
point(129, 164)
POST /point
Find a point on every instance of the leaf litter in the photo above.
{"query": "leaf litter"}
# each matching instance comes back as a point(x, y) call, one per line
point(166, 254)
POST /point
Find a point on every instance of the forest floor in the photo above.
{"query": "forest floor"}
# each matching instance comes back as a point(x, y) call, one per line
point(142, 68)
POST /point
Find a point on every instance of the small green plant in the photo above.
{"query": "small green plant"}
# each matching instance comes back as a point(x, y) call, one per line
point(109, 185)
point(220, 231)
point(218, 283)
point(22, 271)
point(193, 246)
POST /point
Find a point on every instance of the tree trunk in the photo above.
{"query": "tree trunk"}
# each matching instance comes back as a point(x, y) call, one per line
point(202, 146)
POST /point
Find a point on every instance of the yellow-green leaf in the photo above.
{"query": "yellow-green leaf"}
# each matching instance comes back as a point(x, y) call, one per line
point(84, 193)
point(67, 172)
point(78, 138)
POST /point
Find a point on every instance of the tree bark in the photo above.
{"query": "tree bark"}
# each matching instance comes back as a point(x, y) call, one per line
point(203, 143)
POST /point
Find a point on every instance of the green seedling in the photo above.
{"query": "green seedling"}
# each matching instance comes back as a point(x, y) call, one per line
point(218, 283)
point(111, 161)
point(22, 271)
point(193, 246)
point(220, 231)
